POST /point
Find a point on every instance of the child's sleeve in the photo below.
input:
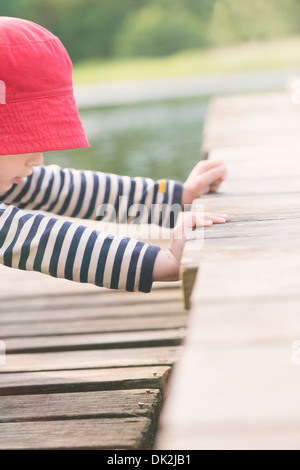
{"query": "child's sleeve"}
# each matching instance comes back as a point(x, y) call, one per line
point(98, 196)
point(67, 250)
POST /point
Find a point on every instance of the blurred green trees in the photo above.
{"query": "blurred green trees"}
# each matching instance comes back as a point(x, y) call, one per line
point(127, 28)
point(155, 30)
point(236, 21)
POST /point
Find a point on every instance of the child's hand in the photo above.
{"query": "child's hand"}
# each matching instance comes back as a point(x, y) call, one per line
point(167, 263)
point(205, 177)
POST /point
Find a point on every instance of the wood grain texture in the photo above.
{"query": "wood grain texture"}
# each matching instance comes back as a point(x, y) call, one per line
point(80, 342)
point(93, 326)
point(236, 384)
point(131, 357)
point(84, 368)
point(84, 380)
point(85, 434)
point(116, 404)
point(254, 119)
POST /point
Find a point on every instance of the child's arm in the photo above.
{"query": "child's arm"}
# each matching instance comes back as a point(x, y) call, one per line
point(89, 194)
point(71, 251)
point(35, 242)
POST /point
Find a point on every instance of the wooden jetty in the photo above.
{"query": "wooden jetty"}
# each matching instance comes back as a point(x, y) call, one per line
point(236, 385)
point(85, 367)
point(90, 368)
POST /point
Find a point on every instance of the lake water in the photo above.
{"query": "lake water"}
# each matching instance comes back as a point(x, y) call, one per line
point(155, 139)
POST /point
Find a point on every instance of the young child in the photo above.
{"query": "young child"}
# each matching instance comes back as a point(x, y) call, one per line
point(38, 114)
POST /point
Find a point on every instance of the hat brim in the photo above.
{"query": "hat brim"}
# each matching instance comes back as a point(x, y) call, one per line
point(40, 125)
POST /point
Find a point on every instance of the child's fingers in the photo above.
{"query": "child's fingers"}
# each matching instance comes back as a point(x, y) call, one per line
point(211, 176)
point(216, 218)
point(215, 186)
point(189, 222)
point(192, 220)
point(205, 165)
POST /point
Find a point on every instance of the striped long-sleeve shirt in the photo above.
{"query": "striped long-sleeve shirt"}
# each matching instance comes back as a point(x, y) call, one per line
point(60, 248)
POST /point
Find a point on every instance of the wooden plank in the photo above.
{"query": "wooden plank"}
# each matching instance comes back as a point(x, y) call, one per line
point(251, 137)
point(235, 186)
point(265, 216)
point(236, 383)
point(254, 119)
point(247, 205)
point(85, 380)
point(156, 356)
point(246, 243)
point(67, 301)
point(34, 314)
point(259, 396)
point(96, 434)
point(248, 103)
point(246, 239)
point(260, 162)
point(269, 322)
point(243, 339)
point(71, 342)
point(227, 111)
point(254, 228)
point(254, 223)
point(251, 278)
point(234, 126)
point(90, 326)
point(46, 407)
point(87, 406)
point(260, 170)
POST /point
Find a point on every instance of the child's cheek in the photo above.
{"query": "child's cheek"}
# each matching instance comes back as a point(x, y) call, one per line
point(5, 185)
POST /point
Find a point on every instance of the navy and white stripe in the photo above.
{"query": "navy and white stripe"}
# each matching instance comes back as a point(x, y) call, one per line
point(80, 194)
point(59, 248)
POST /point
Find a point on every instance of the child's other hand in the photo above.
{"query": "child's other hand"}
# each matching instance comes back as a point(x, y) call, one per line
point(205, 177)
point(167, 263)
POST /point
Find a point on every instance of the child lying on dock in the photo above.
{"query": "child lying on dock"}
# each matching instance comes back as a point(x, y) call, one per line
point(38, 114)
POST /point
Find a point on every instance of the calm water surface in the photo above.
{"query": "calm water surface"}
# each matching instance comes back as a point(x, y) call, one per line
point(156, 139)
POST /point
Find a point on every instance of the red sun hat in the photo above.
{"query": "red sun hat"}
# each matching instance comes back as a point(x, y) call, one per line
point(38, 112)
